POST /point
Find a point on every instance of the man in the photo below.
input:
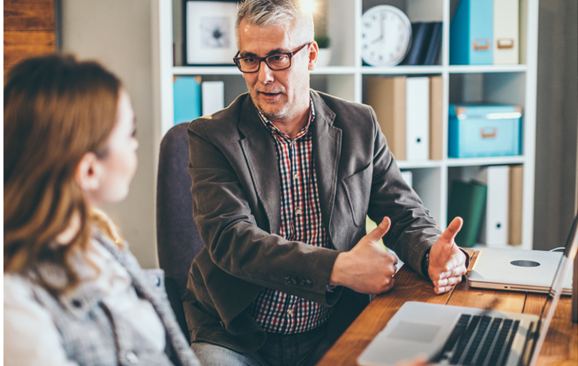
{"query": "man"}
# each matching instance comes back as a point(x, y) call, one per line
point(283, 179)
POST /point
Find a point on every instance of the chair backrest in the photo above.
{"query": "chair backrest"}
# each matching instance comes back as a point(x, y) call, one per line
point(178, 239)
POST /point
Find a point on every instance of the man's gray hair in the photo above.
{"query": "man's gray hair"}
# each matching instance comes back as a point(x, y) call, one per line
point(277, 12)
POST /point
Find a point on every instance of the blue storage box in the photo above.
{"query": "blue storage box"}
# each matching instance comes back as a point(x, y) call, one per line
point(484, 130)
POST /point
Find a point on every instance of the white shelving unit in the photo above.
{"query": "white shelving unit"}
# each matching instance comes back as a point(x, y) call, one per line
point(505, 84)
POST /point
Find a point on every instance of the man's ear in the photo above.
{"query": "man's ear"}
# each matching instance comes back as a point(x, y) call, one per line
point(313, 50)
point(87, 174)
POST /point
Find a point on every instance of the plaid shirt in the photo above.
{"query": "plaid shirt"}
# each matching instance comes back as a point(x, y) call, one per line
point(276, 311)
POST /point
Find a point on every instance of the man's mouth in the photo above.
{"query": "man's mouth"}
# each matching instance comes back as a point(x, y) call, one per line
point(270, 94)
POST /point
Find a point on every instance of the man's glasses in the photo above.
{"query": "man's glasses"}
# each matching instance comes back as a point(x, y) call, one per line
point(277, 62)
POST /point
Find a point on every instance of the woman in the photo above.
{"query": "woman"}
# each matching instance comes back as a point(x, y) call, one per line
point(73, 293)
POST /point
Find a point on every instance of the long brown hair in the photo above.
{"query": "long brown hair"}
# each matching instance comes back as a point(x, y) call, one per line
point(56, 109)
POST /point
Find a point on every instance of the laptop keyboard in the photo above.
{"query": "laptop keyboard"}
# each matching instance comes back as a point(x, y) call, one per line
point(479, 340)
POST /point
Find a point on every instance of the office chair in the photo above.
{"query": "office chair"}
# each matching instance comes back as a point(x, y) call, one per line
point(178, 239)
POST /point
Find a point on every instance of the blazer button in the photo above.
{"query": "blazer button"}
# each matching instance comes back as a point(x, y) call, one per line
point(288, 280)
point(309, 283)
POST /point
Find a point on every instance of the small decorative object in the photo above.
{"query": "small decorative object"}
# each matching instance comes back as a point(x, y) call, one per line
point(324, 51)
point(385, 36)
point(210, 32)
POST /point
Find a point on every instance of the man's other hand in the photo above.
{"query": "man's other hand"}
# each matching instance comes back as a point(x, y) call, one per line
point(447, 263)
point(367, 268)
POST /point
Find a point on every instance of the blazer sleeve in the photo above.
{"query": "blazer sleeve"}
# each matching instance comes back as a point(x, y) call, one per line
point(235, 242)
point(413, 230)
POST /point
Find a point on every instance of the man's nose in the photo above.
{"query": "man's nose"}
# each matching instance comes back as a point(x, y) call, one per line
point(265, 73)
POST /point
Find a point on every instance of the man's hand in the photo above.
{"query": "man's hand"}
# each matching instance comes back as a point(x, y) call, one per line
point(367, 268)
point(447, 263)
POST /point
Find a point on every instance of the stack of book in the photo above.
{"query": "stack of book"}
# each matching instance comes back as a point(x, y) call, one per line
point(409, 111)
point(426, 40)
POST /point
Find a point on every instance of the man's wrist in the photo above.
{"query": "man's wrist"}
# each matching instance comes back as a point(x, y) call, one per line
point(425, 264)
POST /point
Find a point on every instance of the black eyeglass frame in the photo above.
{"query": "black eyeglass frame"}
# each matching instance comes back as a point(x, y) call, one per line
point(237, 59)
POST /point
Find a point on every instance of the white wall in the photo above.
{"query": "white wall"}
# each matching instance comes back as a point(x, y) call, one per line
point(118, 34)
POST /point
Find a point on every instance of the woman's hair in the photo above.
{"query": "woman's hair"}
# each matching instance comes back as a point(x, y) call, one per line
point(277, 12)
point(56, 109)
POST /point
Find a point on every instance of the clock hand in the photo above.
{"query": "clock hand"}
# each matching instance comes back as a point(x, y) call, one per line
point(381, 34)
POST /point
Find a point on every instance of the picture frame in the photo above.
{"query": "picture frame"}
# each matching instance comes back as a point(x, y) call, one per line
point(210, 32)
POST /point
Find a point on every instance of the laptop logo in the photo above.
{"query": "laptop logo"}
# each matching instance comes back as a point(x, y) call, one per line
point(525, 263)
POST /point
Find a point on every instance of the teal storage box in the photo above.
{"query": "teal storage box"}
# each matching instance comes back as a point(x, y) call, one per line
point(483, 130)
point(472, 33)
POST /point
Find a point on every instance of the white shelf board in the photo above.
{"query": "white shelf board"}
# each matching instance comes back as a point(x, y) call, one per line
point(404, 164)
point(206, 70)
point(334, 70)
point(497, 160)
point(469, 69)
point(370, 70)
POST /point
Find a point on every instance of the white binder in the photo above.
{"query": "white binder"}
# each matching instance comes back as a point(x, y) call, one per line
point(417, 118)
point(494, 233)
point(213, 96)
point(506, 38)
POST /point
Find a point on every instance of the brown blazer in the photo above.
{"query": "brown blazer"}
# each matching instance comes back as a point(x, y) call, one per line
point(236, 205)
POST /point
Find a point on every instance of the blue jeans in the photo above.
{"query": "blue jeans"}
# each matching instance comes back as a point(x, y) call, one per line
point(302, 349)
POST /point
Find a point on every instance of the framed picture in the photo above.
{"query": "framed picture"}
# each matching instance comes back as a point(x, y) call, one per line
point(210, 32)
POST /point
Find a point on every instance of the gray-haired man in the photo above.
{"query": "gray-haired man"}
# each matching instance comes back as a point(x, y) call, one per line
point(283, 179)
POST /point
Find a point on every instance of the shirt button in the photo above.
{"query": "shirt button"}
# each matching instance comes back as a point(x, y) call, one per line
point(132, 358)
point(296, 176)
point(290, 312)
point(298, 211)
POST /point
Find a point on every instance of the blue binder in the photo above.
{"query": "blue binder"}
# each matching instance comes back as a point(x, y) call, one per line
point(187, 99)
point(472, 33)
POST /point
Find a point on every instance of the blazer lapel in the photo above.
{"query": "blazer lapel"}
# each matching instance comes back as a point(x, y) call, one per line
point(327, 152)
point(261, 157)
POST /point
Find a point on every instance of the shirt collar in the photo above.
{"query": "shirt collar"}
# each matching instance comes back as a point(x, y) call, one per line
point(275, 131)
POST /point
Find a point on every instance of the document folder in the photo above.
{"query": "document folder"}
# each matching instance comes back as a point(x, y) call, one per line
point(471, 33)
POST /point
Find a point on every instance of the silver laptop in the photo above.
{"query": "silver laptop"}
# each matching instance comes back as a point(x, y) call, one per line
point(517, 270)
point(468, 336)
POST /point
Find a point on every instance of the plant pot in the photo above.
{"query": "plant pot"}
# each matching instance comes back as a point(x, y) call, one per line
point(324, 57)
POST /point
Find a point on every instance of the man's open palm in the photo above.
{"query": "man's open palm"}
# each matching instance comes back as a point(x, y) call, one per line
point(447, 263)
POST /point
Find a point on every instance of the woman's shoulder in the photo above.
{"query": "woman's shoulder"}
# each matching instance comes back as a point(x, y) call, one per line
point(17, 288)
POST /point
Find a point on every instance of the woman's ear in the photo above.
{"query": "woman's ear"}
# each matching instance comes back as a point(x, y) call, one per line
point(87, 174)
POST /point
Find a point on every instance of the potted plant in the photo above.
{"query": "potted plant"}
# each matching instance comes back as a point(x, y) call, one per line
point(323, 42)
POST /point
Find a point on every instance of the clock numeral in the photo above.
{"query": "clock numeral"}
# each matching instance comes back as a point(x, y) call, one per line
point(367, 25)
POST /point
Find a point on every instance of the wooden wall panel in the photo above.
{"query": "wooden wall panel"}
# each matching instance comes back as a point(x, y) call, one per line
point(29, 29)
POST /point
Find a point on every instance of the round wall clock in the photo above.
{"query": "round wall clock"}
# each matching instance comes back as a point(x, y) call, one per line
point(385, 36)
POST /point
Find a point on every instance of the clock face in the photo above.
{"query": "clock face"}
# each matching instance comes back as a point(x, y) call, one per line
point(385, 36)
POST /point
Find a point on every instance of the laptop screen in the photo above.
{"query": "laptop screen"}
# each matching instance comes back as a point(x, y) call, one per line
point(549, 306)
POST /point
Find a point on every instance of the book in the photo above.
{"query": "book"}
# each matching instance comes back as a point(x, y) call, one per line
point(436, 116)
point(213, 97)
point(420, 32)
point(417, 118)
point(434, 44)
point(516, 204)
point(467, 200)
point(187, 98)
point(387, 97)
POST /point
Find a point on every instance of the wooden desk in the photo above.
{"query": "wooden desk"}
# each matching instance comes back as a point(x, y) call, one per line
point(560, 348)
